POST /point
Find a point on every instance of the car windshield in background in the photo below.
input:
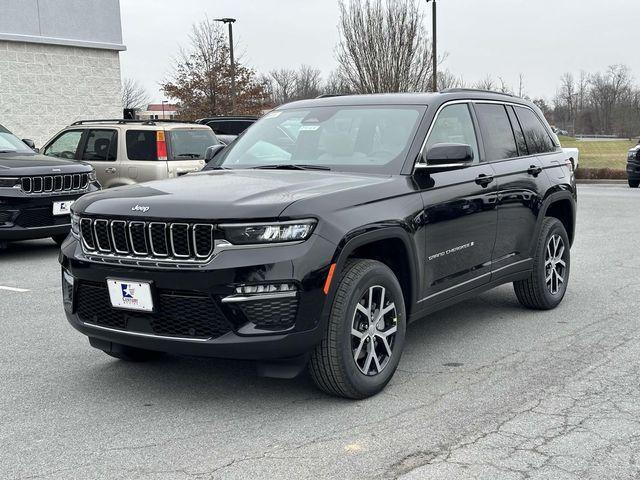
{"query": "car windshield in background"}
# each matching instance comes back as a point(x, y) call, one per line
point(191, 144)
point(9, 143)
point(348, 138)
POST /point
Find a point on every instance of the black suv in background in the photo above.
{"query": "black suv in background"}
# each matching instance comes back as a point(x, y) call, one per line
point(318, 249)
point(36, 191)
point(633, 166)
point(227, 129)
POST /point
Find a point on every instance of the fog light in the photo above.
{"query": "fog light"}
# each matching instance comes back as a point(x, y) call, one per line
point(67, 290)
point(271, 288)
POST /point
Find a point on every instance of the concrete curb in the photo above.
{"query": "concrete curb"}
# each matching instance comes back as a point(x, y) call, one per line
point(601, 180)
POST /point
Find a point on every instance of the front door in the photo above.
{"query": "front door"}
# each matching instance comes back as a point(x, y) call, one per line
point(100, 149)
point(460, 214)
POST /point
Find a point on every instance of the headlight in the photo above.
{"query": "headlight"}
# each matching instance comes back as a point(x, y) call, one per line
point(92, 176)
point(8, 182)
point(277, 232)
point(75, 225)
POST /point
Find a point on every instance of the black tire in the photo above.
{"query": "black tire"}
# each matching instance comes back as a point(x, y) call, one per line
point(333, 366)
point(634, 183)
point(132, 354)
point(535, 292)
point(59, 239)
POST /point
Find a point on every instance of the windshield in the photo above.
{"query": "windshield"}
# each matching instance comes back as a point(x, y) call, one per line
point(191, 144)
point(348, 138)
point(9, 143)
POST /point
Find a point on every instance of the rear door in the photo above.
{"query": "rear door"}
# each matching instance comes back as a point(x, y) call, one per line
point(100, 149)
point(142, 163)
point(521, 185)
point(460, 212)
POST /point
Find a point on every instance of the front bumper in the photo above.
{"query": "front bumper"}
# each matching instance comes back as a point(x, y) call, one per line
point(30, 216)
point(191, 317)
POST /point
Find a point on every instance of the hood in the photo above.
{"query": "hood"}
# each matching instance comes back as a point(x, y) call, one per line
point(24, 164)
point(223, 194)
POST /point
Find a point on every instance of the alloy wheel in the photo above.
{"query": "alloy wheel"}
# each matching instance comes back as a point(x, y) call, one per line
point(555, 264)
point(373, 330)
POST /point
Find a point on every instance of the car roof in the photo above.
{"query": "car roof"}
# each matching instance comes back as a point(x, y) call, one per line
point(405, 99)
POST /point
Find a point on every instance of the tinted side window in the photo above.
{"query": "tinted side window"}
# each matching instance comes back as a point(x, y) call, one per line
point(102, 145)
point(229, 127)
point(141, 145)
point(538, 139)
point(454, 125)
point(65, 146)
point(497, 135)
point(517, 131)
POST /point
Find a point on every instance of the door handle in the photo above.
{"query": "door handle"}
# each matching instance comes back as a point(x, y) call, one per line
point(110, 170)
point(534, 170)
point(484, 180)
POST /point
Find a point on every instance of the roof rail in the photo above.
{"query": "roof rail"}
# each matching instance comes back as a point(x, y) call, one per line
point(123, 121)
point(329, 95)
point(476, 90)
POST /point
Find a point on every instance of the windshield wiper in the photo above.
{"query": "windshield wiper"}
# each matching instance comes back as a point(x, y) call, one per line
point(293, 166)
point(190, 155)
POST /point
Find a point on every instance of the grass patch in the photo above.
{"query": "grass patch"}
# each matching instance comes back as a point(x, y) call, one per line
point(600, 154)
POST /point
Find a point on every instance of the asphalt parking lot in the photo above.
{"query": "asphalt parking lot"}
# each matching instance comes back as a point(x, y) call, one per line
point(485, 389)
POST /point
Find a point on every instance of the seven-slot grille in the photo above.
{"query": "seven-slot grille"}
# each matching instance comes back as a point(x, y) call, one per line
point(54, 183)
point(181, 242)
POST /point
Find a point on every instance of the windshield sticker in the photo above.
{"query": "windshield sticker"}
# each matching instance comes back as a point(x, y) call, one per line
point(272, 115)
point(452, 250)
point(309, 128)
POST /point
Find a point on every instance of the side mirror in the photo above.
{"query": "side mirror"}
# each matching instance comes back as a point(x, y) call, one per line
point(442, 157)
point(30, 143)
point(212, 151)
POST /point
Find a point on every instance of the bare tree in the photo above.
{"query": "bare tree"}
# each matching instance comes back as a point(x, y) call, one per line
point(336, 85)
point(384, 46)
point(504, 87)
point(521, 92)
point(487, 83)
point(446, 79)
point(283, 85)
point(134, 95)
point(308, 82)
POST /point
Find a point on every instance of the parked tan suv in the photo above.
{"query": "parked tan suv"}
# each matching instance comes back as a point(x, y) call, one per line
point(124, 152)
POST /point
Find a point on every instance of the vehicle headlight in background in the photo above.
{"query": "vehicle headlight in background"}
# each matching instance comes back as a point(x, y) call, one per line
point(8, 182)
point(75, 226)
point(277, 232)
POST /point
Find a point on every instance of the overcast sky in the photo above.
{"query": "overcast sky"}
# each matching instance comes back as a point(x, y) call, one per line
point(539, 38)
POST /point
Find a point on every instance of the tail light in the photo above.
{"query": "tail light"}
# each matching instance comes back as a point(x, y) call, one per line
point(161, 145)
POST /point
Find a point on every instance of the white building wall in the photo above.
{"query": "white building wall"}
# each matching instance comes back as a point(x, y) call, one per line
point(45, 87)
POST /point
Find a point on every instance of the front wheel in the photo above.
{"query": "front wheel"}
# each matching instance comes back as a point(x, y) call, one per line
point(634, 183)
point(547, 283)
point(365, 334)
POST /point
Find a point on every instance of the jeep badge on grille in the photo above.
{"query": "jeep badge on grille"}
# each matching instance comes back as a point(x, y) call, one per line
point(139, 208)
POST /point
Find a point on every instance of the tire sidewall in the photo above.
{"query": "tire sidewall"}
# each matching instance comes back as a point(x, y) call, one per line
point(555, 228)
point(381, 275)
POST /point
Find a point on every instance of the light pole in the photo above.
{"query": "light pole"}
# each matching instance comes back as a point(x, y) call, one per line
point(434, 47)
point(164, 102)
point(230, 22)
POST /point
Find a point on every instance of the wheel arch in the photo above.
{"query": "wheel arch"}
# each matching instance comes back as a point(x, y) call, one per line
point(391, 246)
point(560, 205)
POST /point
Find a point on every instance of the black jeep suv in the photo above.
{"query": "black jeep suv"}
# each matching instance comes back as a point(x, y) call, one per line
point(318, 247)
point(633, 166)
point(36, 192)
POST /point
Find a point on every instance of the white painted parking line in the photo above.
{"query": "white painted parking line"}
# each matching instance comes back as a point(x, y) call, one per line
point(14, 289)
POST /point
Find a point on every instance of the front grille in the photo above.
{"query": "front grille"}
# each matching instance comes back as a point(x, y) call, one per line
point(179, 314)
point(54, 183)
point(140, 240)
point(276, 314)
point(40, 217)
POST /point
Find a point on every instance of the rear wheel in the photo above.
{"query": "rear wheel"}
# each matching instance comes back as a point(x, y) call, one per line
point(634, 183)
point(365, 335)
point(547, 283)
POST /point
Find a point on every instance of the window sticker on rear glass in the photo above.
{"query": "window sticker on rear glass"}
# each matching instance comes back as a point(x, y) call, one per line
point(272, 114)
point(309, 128)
